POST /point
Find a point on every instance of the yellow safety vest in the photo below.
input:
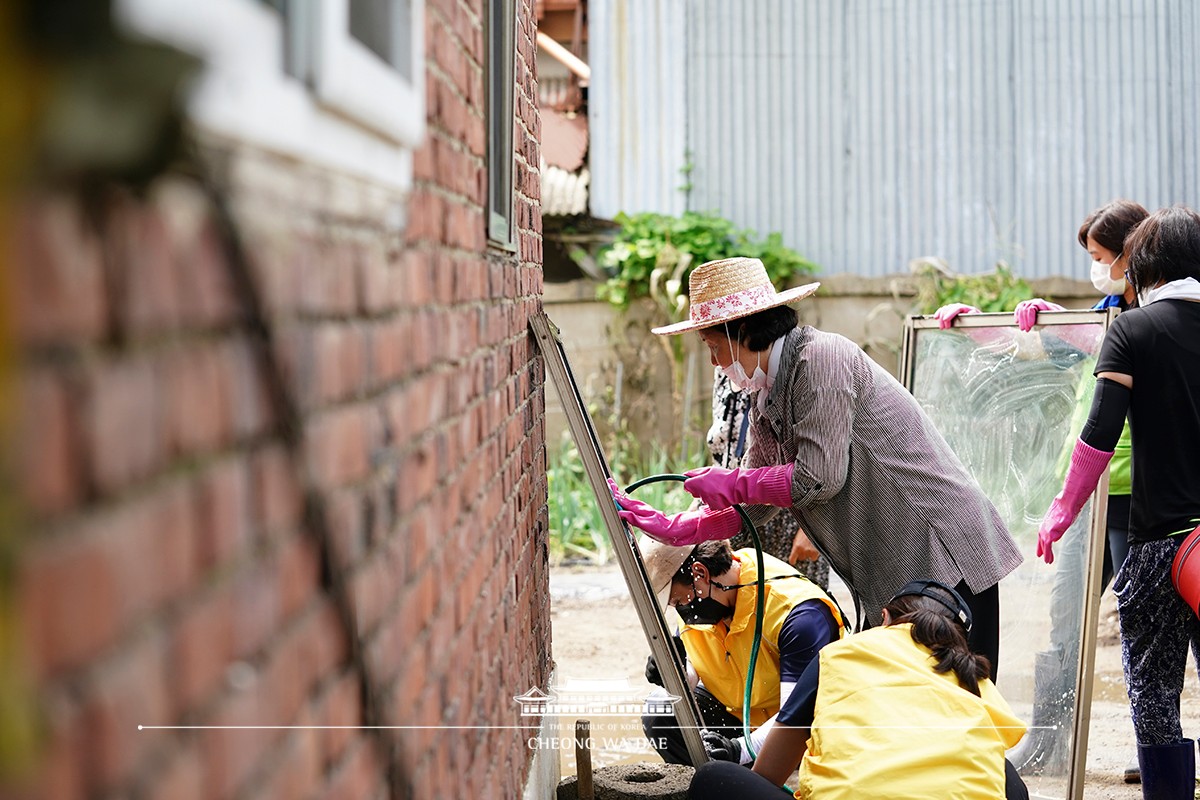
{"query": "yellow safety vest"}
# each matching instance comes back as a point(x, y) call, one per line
point(887, 725)
point(721, 655)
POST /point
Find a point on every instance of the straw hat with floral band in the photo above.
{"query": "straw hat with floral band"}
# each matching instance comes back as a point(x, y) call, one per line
point(720, 292)
point(729, 289)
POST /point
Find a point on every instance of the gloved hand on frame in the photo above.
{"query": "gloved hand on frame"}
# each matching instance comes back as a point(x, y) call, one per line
point(653, 675)
point(946, 314)
point(686, 527)
point(1026, 312)
point(720, 748)
point(719, 488)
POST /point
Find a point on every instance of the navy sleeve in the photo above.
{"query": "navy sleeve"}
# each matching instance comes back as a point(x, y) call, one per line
point(801, 704)
point(809, 626)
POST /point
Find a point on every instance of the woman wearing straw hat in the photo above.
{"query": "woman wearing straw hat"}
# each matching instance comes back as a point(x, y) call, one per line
point(839, 442)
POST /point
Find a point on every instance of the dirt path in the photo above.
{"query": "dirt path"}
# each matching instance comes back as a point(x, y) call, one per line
point(596, 636)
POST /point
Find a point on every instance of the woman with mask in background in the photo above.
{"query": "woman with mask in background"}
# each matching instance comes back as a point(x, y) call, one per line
point(1148, 372)
point(1045, 749)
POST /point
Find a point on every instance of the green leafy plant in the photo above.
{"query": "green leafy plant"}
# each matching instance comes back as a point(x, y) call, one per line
point(999, 290)
point(653, 254)
point(576, 529)
point(689, 167)
point(652, 257)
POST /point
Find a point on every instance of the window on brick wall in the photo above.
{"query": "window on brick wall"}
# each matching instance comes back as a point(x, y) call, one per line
point(335, 82)
point(501, 57)
point(365, 57)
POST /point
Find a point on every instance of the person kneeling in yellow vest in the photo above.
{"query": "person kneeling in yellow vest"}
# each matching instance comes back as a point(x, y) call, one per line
point(713, 589)
point(905, 711)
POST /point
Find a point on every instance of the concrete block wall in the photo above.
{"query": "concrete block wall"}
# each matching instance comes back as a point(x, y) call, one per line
point(280, 461)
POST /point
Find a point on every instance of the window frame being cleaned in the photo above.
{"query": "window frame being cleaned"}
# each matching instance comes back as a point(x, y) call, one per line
point(1097, 525)
point(653, 621)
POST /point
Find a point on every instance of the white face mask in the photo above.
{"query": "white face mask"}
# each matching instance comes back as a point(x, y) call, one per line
point(741, 381)
point(1103, 283)
point(737, 373)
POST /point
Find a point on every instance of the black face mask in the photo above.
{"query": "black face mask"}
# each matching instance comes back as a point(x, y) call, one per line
point(703, 611)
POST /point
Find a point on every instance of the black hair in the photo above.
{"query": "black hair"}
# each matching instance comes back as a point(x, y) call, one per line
point(938, 628)
point(757, 331)
point(716, 555)
point(1164, 247)
point(1109, 224)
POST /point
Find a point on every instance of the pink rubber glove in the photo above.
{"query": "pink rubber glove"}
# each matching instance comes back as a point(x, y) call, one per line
point(1087, 465)
point(1026, 312)
point(719, 488)
point(946, 314)
point(686, 527)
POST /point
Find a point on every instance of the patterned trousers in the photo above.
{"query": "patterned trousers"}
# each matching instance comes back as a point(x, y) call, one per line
point(1156, 629)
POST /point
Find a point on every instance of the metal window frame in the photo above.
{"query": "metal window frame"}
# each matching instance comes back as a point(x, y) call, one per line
point(654, 624)
point(1093, 587)
point(501, 67)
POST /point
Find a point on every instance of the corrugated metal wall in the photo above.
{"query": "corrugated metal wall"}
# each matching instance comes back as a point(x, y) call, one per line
point(636, 114)
point(871, 132)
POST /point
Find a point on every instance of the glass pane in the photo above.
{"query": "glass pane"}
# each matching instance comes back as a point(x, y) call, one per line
point(499, 76)
point(1011, 405)
point(383, 27)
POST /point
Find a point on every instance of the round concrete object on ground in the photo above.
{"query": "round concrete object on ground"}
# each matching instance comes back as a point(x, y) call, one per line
point(634, 782)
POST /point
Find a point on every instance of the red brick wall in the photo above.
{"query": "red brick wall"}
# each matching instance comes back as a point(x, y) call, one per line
point(313, 499)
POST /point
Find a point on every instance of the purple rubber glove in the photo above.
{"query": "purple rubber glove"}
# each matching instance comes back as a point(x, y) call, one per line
point(686, 527)
point(1026, 312)
point(719, 488)
point(1087, 465)
point(946, 314)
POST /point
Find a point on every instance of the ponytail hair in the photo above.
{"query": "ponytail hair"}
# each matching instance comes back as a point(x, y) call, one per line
point(935, 626)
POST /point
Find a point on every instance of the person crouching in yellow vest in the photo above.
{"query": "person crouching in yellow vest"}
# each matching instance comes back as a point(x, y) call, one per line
point(713, 589)
point(904, 711)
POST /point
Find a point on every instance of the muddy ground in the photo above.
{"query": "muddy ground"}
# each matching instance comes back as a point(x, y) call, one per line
point(596, 636)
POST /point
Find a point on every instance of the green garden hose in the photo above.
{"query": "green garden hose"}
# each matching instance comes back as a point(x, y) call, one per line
point(759, 604)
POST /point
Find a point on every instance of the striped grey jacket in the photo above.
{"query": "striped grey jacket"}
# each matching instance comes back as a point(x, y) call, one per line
point(875, 485)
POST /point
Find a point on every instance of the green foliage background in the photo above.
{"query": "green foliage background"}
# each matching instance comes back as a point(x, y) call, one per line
point(994, 291)
point(672, 246)
point(577, 533)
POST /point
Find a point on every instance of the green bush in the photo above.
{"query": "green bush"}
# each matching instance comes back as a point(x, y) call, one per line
point(653, 255)
point(993, 291)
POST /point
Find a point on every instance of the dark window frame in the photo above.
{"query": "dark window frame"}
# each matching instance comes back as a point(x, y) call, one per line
point(500, 90)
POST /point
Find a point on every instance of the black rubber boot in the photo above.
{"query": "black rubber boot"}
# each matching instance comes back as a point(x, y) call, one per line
point(1046, 745)
point(1168, 771)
